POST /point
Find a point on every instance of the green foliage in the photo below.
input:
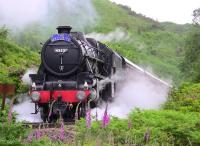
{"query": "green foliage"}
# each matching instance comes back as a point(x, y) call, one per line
point(31, 36)
point(3, 33)
point(164, 127)
point(191, 63)
point(159, 46)
point(44, 141)
point(14, 61)
point(185, 99)
point(10, 133)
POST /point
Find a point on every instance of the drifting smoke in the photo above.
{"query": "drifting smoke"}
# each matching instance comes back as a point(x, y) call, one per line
point(114, 36)
point(25, 107)
point(21, 12)
point(138, 91)
point(18, 14)
point(115, 78)
point(26, 79)
point(24, 110)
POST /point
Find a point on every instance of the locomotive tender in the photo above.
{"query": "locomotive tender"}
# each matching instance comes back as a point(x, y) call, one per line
point(68, 79)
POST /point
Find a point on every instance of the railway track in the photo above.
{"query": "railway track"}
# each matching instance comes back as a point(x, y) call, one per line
point(54, 131)
point(42, 125)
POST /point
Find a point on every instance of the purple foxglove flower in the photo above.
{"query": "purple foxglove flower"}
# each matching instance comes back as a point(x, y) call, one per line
point(38, 134)
point(30, 137)
point(106, 118)
point(88, 118)
point(53, 137)
point(62, 131)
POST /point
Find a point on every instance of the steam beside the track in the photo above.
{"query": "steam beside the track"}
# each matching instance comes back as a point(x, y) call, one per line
point(18, 14)
point(26, 79)
point(114, 36)
point(25, 107)
point(24, 110)
point(138, 91)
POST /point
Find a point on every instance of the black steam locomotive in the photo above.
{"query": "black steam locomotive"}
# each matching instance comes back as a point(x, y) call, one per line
point(69, 77)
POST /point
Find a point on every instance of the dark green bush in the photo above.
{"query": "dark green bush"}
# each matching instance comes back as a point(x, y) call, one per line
point(165, 128)
point(186, 98)
point(11, 133)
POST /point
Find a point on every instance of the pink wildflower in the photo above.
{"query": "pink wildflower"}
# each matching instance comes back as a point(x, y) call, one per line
point(106, 118)
point(62, 131)
point(53, 137)
point(38, 134)
point(88, 118)
point(30, 137)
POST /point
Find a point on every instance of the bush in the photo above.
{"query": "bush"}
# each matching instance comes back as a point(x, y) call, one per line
point(10, 132)
point(185, 99)
point(145, 127)
point(3, 33)
point(14, 61)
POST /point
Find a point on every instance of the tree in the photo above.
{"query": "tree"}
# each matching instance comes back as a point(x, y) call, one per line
point(191, 63)
point(196, 15)
point(3, 32)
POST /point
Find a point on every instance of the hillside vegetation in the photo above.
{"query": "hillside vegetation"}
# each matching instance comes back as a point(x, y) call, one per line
point(152, 44)
point(14, 60)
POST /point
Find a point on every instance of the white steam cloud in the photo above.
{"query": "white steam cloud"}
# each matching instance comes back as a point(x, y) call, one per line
point(25, 107)
point(24, 110)
point(138, 91)
point(26, 79)
point(117, 35)
point(20, 13)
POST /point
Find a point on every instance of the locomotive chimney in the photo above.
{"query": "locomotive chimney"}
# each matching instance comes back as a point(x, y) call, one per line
point(64, 29)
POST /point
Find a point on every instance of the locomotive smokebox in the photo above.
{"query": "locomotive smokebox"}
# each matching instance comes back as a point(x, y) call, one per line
point(64, 29)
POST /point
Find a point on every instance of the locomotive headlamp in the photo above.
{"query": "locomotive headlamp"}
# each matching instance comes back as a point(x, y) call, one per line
point(35, 96)
point(80, 95)
point(85, 85)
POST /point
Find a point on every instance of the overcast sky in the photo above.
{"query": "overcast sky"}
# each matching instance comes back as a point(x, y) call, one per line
point(178, 11)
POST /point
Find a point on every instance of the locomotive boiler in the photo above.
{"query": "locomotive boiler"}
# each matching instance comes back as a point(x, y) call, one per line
point(69, 76)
